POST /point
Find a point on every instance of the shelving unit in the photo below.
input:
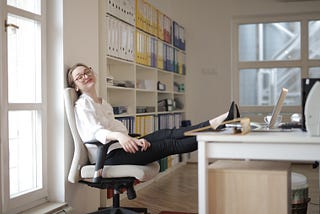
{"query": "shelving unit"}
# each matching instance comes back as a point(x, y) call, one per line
point(133, 61)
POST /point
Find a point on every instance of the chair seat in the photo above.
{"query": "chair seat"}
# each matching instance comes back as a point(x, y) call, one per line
point(140, 172)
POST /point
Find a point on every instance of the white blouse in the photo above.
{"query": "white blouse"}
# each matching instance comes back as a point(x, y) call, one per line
point(96, 121)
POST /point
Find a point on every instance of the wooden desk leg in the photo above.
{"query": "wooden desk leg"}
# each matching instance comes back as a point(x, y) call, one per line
point(202, 178)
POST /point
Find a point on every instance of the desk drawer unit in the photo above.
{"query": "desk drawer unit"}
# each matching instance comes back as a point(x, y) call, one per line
point(249, 187)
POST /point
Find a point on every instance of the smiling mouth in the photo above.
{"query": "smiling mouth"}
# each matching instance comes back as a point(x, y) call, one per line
point(88, 80)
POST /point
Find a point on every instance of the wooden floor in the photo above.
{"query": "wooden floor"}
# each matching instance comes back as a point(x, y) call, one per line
point(177, 191)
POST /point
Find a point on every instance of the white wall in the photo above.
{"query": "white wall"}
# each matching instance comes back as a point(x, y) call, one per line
point(81, 44)
point(72, 31)
point(208, 41)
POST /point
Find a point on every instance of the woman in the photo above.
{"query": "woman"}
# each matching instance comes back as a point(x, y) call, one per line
point(95, 122)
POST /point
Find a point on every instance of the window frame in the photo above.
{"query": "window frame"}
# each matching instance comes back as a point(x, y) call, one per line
point(39, 196)
point(304, 63)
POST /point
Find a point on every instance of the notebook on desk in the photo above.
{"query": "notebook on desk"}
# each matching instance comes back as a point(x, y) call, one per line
point(256, 127)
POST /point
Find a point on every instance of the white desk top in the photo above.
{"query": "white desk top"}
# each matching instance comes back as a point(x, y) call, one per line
point(294, 136)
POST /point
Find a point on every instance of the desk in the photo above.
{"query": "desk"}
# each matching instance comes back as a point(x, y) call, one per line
point(289, 146)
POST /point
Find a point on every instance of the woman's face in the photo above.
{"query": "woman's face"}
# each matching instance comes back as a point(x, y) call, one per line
point(84, 78)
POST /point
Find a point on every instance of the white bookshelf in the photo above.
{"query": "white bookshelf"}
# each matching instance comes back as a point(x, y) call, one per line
point(120, 68)
point(134, 83)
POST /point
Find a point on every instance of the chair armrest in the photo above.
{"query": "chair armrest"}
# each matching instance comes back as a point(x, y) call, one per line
point(102, 150)
point(134, 135)
point(101, 153)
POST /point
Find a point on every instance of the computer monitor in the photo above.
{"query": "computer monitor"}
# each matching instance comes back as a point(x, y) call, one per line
point(306, 86)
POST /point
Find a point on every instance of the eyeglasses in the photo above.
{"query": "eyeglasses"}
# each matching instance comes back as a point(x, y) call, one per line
point(87, 72)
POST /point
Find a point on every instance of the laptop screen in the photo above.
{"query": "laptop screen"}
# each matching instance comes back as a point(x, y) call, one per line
point(277, 107)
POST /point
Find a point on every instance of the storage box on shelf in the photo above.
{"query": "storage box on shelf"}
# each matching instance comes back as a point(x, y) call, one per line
point(120, 39)
point(145, 102)
point(178, 36)
point(146, 78)
point(122, 9)
point(145, 124)
point(146, 17)
point(129, 122)
point(122, 97)
point(169, 121)
point(179, 62)
point(179, 92)
point(146, 47)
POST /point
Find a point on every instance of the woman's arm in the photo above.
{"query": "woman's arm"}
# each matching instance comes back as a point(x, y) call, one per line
point(96, 124)
point(130, 144)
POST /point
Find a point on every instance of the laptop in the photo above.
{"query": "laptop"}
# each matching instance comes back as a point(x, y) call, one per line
point(256, 127)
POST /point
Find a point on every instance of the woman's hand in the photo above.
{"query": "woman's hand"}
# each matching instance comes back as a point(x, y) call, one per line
point(132, 145)
point(143, 143)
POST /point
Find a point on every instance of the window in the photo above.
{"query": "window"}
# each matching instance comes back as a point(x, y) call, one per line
point(276, 41)
point(23, 105)
point(272, 53)
point(314, 38)
point(314, 72)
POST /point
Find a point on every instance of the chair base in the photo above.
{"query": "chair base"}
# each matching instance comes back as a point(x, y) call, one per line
point(121, 210)
point(117, 184)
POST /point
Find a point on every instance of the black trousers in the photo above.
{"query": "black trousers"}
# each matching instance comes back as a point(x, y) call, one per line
point(164, 142)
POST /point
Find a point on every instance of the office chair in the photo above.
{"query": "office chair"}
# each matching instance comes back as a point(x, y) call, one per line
point(117, 178)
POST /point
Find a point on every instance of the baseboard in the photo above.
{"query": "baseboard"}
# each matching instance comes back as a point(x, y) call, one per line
point(50, 207)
